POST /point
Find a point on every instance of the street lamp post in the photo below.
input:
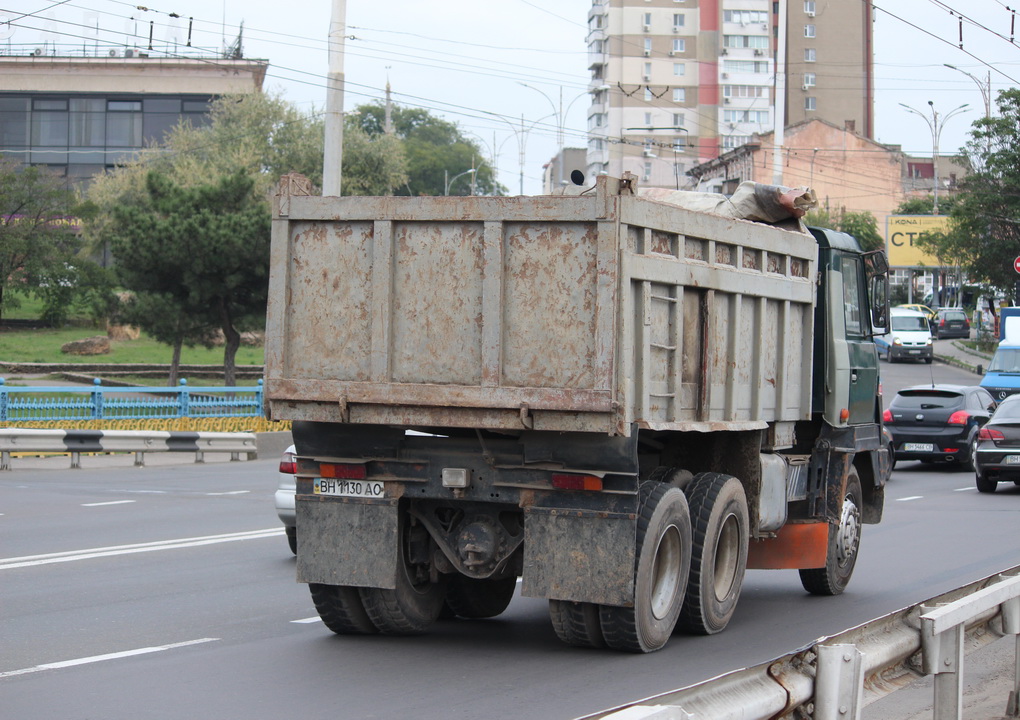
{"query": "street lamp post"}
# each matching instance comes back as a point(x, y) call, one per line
point(522, 140)
point(561, 121)
point(448, 181)
point(936, 125)
point(985, 86)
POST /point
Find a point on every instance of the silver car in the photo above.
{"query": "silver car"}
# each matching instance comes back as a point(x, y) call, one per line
point(285, 496)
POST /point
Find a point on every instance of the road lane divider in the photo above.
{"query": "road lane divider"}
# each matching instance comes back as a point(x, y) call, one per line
point(92, 553)
point(104, 658)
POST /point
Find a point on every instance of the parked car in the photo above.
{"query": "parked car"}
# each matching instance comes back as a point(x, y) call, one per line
point(951, 323)
point(923, 309)
point(997, 457)
point(909, 337)
point(285, 496)
point(938, 423)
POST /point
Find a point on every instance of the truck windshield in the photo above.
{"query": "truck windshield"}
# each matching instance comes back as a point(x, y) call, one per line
point(909, 323)
point(1005, 360)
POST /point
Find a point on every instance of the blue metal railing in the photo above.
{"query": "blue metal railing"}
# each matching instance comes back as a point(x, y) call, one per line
point(128, 403)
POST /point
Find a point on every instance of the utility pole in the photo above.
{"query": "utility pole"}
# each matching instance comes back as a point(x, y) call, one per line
point(332, 156)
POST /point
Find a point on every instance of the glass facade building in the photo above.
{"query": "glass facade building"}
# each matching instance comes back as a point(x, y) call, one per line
point(79, 136)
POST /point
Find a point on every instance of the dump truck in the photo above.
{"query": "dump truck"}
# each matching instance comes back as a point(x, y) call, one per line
point(610, 400)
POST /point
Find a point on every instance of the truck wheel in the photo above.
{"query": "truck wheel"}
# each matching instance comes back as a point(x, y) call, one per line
point(844, 544)
point(721, 532)
point(472, 598)
point(984, 484)
point(341, 609)
point(663, 564)
point(414, 604)
point(577, 623)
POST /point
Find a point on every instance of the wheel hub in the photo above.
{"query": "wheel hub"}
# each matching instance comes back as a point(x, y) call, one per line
point(849, 531)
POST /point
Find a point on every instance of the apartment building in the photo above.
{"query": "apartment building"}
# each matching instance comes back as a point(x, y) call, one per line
point(79, 115)
point(676, 83)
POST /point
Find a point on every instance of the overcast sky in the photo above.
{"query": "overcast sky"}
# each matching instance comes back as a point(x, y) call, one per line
point(486, 65)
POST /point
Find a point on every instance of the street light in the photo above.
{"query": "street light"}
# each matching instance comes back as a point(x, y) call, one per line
point(561, 120)
point(936, 131)
point(451, 181)
point(985, 87)
point(522, 140)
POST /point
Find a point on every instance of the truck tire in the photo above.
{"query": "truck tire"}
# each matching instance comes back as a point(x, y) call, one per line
point(662, 566)
point(472, 598)
point(721, 531)
point(291, 538)
point(341, 609)
point(843, 547)
point(413, 605)
point(577, 623)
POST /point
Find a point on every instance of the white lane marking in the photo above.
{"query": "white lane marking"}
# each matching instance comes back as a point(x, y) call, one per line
point(912, 497)
point(89, 554)
point(146, 492)
point(966, 489)
point(232, 492)
point(306, 621)
point(103, 658)
point(112, 502)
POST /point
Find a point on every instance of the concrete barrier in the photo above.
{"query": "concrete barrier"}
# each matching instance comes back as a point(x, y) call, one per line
point(76, 442)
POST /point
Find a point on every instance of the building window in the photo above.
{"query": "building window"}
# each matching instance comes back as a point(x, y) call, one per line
point(810, 103)
point(809, 54)
point(678, 144)
point(679, 45)
point(758, 42)
point(735, 141)
point(678, 120)
point(648, 119)
point(648, 94)
point(759, 67)
point(809, 7)
point(679, 95)
point(742, 116)
point(648, 22)
point(647, 171)
point(745, 91)
point(745, 17)
point(679, 69)
point(809, 31)
point(678, 21)
point(648, 71)
point(648, 47)
point(809, 80)
point(49, 123)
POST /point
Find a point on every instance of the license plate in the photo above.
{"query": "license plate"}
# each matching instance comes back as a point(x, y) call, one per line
point(348, 488)
point(918, 447)
point(1011, 460)
point(915, 352)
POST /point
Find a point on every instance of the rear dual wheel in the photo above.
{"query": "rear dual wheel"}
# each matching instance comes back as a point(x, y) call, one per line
point(663, 563)
point(721, 530)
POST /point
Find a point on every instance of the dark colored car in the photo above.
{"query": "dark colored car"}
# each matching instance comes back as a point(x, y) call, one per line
point(997, 458)
point(950, 323)
point(937, 423)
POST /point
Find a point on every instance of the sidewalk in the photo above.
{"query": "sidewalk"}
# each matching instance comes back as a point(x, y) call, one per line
point(953, 352)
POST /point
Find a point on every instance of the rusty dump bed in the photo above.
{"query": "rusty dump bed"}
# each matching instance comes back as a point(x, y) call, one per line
point(566, 313)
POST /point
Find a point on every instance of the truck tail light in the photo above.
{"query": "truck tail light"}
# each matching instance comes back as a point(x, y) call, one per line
point(342, 472)
point(960, 417)
point(887, 416)
point(572, 481)
point(987, 433)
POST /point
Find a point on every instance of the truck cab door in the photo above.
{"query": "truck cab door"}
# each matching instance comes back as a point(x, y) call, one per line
point(862, 356)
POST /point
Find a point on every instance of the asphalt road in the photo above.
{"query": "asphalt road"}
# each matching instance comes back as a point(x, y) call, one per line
point(168, 592)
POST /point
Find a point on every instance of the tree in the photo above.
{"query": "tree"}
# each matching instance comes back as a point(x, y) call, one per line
point(205, 250)
point(39, 243)
point(862, 225)
point(436, 151)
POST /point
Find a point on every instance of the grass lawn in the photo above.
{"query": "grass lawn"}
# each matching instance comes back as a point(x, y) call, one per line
point(43, 346)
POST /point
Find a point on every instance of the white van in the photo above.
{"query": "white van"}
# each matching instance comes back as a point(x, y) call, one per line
point(909, 337)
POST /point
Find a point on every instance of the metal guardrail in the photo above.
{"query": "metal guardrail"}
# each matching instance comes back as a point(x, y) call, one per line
point(43, 403)
point(76, 442)
point(837, 676)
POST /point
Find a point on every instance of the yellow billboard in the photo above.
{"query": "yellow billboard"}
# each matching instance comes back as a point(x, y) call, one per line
point(901, 231)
